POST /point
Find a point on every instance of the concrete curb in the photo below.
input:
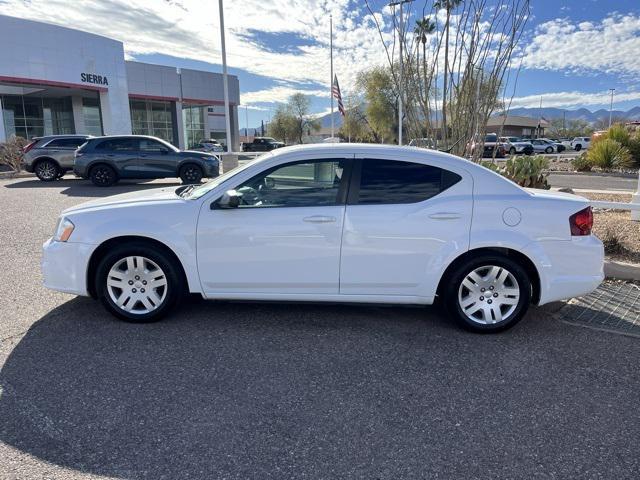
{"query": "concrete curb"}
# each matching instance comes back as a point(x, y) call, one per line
point(10, 175)
point(621, 270)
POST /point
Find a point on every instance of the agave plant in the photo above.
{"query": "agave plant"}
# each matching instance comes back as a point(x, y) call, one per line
point(609, 154)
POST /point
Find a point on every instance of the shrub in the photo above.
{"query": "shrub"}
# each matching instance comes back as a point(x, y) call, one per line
point(618, 133)
point(582, 163)
point(11, 152)
point(490, 165)
point(612, 242)
point(527, 171)
point(634, 148)
point(609, 154)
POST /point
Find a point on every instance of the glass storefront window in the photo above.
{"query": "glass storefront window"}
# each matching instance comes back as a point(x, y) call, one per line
point(28, 117)
point(92, 116)
point(193, 118)
point(155, 118)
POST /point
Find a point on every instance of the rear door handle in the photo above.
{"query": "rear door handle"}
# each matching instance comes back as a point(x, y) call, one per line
point(319, 219)
point(445, 216)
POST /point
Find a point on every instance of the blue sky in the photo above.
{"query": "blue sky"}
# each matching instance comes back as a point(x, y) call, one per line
point(574, 50)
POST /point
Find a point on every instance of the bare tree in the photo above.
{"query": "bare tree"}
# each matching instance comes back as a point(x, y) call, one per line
point(471, 49)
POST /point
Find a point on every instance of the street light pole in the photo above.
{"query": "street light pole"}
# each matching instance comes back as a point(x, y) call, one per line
point(401, 79)
point(611, 106)
point(225, 80)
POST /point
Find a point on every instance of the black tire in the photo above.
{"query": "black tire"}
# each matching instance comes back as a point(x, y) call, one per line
point(455, 290)
point(103, 175)
point(47, 170)
point(190, 174)
point(175, 283)
point(578, 147)
point(512, 151)
point(548, 150)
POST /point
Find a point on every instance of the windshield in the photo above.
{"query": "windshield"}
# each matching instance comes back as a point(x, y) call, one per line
point(210, 185)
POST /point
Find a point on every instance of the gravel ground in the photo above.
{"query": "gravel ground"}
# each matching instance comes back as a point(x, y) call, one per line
point(239, 391)
point(615, 228)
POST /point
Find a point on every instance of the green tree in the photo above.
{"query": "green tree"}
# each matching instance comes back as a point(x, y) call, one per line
point(298, 106)
point(379, 94)
point(283, 124)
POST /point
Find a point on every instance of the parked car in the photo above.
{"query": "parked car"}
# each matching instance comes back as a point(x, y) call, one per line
point(515, 145)
point(559, 147)
point(210, 145)
point(261, 144)
point(52, 156)
point(542, 145)
point(581, 143)
point(105, 160)
point(491, 144)
point(423, 143)
point(333, 223)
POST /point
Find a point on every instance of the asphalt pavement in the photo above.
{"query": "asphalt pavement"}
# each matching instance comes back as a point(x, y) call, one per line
point(594, 181)
point(231, 390)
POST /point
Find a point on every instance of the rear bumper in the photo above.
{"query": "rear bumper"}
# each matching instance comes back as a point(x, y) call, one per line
point(568, 268)
point(27, 167)
point(64, 266)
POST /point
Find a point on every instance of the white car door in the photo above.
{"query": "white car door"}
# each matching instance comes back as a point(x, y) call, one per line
point(284, 237)
point(404, 222)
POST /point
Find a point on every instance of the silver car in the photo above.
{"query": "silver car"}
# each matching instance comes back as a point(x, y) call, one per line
point(52, 156)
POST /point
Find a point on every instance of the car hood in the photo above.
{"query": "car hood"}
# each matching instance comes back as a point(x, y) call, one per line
point(132, 198)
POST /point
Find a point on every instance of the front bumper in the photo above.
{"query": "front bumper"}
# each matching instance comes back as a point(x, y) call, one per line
point(64, 266)
point(211, 169)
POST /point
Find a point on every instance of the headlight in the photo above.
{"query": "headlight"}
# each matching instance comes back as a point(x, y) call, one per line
point(64, 229)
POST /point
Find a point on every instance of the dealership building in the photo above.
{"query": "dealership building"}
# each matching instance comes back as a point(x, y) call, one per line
point(56, 80)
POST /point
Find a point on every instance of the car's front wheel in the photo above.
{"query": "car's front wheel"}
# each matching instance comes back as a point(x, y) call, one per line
point(139, 283)
point(549, 150)
point(488, 294)
point(190, 174)
point(578, 147)
point(512, 150)
point(47, 170)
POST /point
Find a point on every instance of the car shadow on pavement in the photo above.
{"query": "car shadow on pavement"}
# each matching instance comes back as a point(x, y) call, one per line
point(76, 187)
point(255, 390)
point(201, 393)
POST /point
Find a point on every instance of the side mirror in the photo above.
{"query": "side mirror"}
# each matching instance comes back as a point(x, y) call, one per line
point(229, 199)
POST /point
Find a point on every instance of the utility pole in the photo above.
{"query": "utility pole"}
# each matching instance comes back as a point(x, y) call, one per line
point(331, 79)
point(401, 79)
point(611, 106)
point(246, 120)
point(225, 80)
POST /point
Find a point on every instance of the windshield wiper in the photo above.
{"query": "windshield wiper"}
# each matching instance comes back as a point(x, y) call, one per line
point(185, 190)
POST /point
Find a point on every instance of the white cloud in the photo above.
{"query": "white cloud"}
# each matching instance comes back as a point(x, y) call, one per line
point(572, 99)
point(610, 46)
point(278, 94)
point(189, 29)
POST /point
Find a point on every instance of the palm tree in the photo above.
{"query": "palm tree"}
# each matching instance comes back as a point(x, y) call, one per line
point(448, 5)
point(423, 28)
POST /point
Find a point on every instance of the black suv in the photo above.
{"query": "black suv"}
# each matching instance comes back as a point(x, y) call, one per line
point(105, 160)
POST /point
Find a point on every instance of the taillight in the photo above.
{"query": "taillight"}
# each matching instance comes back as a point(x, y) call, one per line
point(29, 146)
point(581, 222)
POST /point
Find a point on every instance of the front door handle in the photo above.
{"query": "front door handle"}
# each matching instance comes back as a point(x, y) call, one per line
point(319, 219)
point(445, 216)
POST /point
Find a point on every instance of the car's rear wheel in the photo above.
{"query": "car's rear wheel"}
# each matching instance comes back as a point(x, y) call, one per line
point(103, 176)
point(47, 170)
point(548, 150)
point(488, 294)
point(139, 283)
point(191, 174)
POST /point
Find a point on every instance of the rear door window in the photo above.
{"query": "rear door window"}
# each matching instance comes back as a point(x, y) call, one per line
point(71, 143)
point(397, 182)
point(118, 145)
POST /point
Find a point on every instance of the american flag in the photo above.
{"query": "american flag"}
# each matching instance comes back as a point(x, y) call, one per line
point(335, 91)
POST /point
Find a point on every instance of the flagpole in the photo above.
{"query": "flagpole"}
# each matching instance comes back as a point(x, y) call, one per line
point(331, 81)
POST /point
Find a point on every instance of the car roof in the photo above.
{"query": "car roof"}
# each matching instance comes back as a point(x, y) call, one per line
point(53, 137)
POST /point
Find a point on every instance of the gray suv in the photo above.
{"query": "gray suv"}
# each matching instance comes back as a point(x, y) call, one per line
point(52, 156)
point(105, 160)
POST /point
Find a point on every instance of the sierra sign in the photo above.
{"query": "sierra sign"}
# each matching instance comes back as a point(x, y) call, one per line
point(91, 78)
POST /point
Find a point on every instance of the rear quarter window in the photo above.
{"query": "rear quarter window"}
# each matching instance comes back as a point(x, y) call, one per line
point(399, 182)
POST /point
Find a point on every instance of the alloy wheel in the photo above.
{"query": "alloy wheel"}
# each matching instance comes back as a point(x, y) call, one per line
point(192, 175)
point(137, 285)
point(103, 176)
point(47, 170)
point(489, 295)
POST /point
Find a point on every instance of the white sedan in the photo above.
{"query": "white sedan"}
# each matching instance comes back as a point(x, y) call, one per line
point(333, 223)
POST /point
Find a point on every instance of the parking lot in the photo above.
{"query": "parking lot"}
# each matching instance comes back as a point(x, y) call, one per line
point(254, 390)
